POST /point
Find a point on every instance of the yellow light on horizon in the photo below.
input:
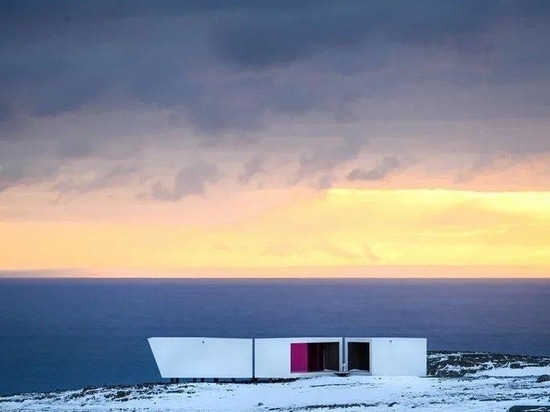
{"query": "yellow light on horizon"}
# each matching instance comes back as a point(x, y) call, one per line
point(340, 228)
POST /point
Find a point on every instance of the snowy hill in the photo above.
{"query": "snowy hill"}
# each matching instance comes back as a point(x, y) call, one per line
point(460, 382)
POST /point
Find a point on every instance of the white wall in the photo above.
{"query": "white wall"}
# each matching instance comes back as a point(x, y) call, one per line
point(398, 356)
point(272, 356)
point(202, 357)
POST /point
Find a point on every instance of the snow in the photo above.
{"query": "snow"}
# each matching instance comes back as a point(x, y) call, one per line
point(461, 381)
point(352, 393)
point(528, 371)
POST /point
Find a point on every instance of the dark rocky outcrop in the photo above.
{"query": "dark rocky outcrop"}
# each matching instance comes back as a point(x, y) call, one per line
point(543, 378)
point(457, 364)
point(529, 408)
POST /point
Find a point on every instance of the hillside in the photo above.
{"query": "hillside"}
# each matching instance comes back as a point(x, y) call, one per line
point(459, 381)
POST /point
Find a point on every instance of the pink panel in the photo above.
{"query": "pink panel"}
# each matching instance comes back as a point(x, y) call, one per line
point(298, 357)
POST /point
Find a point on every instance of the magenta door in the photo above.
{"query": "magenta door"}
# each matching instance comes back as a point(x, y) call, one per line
point(298, 357)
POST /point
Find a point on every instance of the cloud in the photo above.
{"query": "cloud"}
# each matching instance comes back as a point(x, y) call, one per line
point(321, 247)
point(184, 56)
point(369, 254)
point(15, 172)
point(116, 176)
point(330, 248)
point(252, 168)
point(190, 180)
point(324, 182)
point(228, 74)
point(277, 36)
point(383, 169)
point(326, 158)
point(482, 164)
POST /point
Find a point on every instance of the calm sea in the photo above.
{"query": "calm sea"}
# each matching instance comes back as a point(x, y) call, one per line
point(62, 334)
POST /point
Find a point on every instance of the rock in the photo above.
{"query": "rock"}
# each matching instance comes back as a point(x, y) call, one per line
point(529, 408)
point(121, 394)
point(543, 378)
point(392, 404)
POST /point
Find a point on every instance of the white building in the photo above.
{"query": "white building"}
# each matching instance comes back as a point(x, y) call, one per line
point(288, 357)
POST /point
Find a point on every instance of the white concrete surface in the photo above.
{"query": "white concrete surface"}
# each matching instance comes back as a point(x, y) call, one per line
point(203, 357)
point(398, 356)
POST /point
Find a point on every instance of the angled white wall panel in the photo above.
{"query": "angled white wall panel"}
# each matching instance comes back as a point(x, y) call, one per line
point(203, 357)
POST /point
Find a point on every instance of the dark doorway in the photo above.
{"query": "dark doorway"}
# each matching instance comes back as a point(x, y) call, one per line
point(323, 356)
point(359, 356)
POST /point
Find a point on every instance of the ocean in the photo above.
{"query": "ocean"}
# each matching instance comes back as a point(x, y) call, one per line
point(67, 334)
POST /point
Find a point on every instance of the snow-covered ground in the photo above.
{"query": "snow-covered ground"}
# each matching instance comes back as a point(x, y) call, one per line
point(488, 389)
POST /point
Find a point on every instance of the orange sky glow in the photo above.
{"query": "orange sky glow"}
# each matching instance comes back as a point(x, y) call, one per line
point(339, 232)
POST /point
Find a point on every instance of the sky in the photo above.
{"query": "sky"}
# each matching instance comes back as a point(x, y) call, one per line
point(280, 138)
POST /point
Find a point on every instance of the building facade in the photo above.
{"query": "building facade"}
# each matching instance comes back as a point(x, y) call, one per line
point(267, 358)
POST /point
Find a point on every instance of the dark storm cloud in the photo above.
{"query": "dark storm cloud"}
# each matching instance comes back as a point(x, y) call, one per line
point(224, 67)
point(271, 37)
point(59, 56)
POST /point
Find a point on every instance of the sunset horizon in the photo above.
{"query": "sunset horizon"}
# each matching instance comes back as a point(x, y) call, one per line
point(195, 138)
point(337, 232)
